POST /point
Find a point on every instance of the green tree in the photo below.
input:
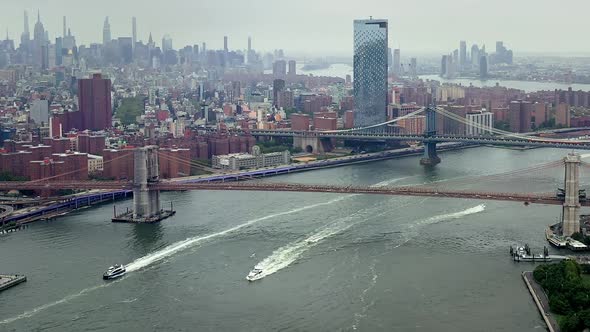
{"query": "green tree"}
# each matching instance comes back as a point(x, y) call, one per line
point(130, 109)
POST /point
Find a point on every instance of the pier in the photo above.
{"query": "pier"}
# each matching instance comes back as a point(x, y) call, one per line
point(7, 281)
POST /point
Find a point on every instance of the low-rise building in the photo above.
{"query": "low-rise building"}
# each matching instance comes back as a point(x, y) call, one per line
point(237, 161)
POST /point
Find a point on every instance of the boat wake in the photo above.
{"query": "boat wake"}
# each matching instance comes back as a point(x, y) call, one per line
point(161, 254)
point(286, 255)
point(191, 242)
point(451, 216)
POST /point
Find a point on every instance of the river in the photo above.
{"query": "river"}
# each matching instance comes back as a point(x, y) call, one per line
point(341, 70)
point(332, 261)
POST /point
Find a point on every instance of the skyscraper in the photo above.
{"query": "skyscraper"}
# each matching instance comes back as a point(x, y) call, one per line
point(64, 28)
point(106, 32)
point(40, 49)
point(25, 39)
point(483, 67)
point(413, 69)
point(249, 54)
point(94, 96)
point(370, 72)
point(225, 49)
point(134, 31)
point(463, 54)
point(396, 61)
point(166, 43)
point(475, 55)
point(292, 68)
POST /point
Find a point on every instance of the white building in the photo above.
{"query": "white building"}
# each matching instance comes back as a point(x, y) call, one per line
point(39, 111)
point(95, 164)
point(239, 161)
point(479, 123)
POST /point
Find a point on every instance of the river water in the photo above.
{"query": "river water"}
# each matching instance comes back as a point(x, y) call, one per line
point(332, 261)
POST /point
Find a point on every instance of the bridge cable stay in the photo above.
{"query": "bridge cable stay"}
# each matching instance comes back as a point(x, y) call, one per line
point(74, 171)
point(376, 125)
point(184, 162)
point(504, 176)
point(497, 131)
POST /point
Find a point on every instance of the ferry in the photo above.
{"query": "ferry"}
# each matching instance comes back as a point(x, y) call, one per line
point(254, 274)
point(575, 245)
point(554, 239)
point(114, 272)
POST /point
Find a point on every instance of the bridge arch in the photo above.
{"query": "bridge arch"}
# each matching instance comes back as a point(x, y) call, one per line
point(309, 149)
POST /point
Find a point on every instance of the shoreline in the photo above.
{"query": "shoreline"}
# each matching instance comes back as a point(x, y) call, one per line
point(541, 301)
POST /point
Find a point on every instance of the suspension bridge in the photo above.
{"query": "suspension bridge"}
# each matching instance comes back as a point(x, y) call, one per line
point(312, 140)
point(146, 187)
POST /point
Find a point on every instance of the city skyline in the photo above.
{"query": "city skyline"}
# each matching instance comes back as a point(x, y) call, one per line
point(329, 25)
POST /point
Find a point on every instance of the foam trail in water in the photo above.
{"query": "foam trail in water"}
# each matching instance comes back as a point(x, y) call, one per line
point(450, 216)
point(163, 253)
point(286, 255)
point(182, 245)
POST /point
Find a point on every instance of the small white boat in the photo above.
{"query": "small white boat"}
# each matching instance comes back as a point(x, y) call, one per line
point(254, 274)
point(114, 272)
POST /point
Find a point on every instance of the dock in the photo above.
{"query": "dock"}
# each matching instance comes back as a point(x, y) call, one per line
point(127, 217)
point(7, 281)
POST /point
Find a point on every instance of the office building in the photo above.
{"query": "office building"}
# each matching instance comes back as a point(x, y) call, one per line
point(106, 32)
point(279, 68)
point(462, 54)
point(483, 67)
point(292, 68)
point(370, 72)
point(39, 111)
point(397, 62)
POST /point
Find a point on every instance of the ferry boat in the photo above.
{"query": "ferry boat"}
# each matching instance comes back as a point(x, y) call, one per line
point(254, 274)
point(114, 272)
point(575, 245)
point(554, 239)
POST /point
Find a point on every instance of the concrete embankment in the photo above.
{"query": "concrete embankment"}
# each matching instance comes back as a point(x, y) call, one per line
point(541, 301)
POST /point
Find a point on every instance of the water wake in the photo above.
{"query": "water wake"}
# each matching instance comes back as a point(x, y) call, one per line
point(286, 255)
point(161, 254)
point(190, 242)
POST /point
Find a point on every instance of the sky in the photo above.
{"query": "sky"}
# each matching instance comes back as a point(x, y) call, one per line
point(319, 27)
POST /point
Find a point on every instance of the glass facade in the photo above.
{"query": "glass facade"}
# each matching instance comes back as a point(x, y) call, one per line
point(370, 72)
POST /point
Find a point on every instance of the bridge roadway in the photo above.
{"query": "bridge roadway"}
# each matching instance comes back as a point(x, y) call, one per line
point(539, 198)
point(383, 136)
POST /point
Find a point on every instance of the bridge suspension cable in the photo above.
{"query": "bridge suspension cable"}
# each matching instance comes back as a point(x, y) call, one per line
point(460, 119)
point(377, 125)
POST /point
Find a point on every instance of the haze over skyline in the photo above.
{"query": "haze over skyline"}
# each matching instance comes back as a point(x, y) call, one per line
point(316, 28)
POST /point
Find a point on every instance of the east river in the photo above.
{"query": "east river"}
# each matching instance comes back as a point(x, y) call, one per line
point(331, 261)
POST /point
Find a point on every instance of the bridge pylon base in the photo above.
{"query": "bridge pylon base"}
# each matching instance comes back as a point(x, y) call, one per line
point(430, 161)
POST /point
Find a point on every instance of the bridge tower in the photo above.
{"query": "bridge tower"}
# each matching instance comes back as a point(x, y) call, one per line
point(571, 205)
point(430, 156)
point(146, 202)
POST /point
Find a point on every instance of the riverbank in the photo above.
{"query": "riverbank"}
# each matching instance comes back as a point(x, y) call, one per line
point(541, 301)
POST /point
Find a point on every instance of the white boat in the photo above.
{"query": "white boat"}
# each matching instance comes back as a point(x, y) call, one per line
point(255, 274)
point(114, 272)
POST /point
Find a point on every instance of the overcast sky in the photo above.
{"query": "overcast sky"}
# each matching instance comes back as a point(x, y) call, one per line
point(322, 27)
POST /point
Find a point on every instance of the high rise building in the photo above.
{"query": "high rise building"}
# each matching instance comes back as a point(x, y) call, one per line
point(292, 68)
point(443, 65)
point(475, 55)
point(462, 54)
point(106, 32)
point(64, 28)
point(520, 116)
point(134, 31)
point(94, 98)
point(413, 67)
point(166, 43)
point(278, 86)
point(225, 49)
point(40, 47)
point(279, 68)
point(25, 39)
point(397, 62)
point(370, 71)
point(483, 66)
